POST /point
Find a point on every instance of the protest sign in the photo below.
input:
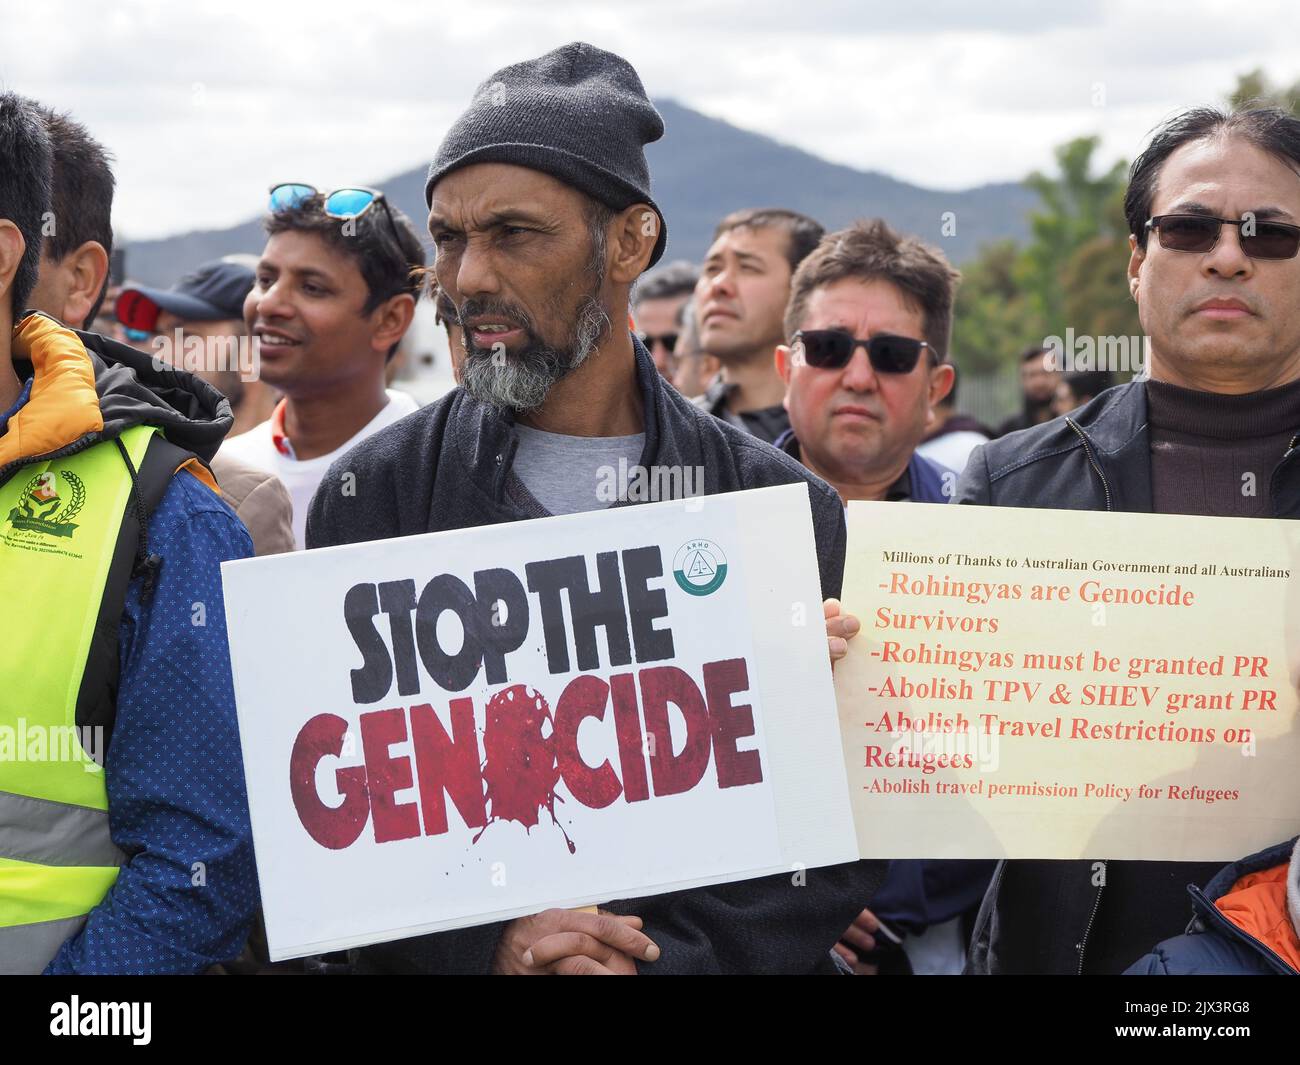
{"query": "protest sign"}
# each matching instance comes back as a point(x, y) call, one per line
point(1064, 684)
point(453, 728)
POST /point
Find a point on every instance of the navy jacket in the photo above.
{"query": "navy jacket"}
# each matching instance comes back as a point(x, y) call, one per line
point(446, 467)
point(1213, 945)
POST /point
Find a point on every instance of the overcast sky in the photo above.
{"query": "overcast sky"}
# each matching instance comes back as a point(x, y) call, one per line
point(206, 104)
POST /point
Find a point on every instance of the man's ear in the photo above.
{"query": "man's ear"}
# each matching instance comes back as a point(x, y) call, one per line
point(392, 319)
point(87, 268)
point(785, 368)
point(12, 246)
point(784, 363)
point(1136, 258)
point(634, 232)
point(941, 379)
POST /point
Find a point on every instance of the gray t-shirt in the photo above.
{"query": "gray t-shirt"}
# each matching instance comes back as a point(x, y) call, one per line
point(571, 474)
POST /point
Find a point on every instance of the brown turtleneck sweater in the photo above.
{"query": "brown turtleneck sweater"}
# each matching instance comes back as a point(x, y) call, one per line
point(1202, 446)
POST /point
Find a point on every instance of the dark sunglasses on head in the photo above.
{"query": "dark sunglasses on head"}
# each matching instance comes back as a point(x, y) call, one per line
point(350, 202)
point(1200, 233)
point(668, 340)
point(831, 349)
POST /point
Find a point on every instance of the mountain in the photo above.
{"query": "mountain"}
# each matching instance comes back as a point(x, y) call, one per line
point(702, 169)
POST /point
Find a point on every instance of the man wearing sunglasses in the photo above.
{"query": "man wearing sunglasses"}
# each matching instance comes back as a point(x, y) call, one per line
point(870, 317)
point(540, 211)
point(334, 293)
point(1213, 207)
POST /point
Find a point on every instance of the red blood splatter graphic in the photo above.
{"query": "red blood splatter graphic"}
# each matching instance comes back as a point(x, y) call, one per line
point(519, 765)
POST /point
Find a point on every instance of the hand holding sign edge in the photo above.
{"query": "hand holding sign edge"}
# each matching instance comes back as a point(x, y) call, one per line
point(840, 628)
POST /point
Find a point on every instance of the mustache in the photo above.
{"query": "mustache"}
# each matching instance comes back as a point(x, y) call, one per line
point(502, 309)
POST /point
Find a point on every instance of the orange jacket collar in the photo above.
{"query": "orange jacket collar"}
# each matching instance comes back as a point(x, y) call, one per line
point(64, 406)
point(1257, 905)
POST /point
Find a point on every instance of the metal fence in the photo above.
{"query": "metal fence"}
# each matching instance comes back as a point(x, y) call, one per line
point(990, 397)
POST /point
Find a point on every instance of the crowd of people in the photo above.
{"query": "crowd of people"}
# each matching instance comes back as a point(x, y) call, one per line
point(788, 355)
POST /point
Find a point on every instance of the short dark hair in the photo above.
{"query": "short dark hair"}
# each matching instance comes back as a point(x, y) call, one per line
point(82, 199)
point(389, 267)
point(83, 187)
point(1035, 351)
point(802, 233)
point(25, 178)
point(667, 282)
point(871, 251)
point(1268, 128)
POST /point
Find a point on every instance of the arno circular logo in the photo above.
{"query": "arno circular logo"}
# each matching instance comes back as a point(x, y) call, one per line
point(700, 567)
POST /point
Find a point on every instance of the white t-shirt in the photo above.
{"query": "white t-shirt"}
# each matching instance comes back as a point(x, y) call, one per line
point(952, 449)
point(267, 448)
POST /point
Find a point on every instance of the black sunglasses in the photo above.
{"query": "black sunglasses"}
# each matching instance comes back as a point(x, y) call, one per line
point(668, 340)
point(831, 349)
point(1200, 233)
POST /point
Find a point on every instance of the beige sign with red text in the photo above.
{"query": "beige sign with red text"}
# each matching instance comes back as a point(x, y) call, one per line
point(1062, 684)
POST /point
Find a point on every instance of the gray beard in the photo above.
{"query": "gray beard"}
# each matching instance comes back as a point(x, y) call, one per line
point(521, 382)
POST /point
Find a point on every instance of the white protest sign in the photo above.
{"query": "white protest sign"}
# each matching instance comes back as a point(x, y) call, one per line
point(454, 728)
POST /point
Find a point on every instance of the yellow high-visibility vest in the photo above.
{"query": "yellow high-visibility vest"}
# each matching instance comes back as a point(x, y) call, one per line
point(60, 524)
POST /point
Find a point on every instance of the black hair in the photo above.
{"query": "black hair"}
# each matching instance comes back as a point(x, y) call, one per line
point(25, 177)
point(803, 234)
point(83, 187)
point(1268, 128)
point(82, 199)
point(667, 282)
point(388, 266)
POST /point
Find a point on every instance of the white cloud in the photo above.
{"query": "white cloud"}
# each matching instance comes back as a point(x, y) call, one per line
point(207, 104)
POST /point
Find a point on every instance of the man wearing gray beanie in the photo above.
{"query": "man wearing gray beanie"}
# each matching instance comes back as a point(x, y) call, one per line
point(542, 219)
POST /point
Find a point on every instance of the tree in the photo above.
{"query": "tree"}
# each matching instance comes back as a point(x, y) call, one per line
point(1095, 285)
point(993, 317)
point(1255, 89)
point(1075, 211)
point(1070, 274)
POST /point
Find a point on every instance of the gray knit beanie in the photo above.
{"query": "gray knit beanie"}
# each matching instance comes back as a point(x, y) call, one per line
point(578, 113)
